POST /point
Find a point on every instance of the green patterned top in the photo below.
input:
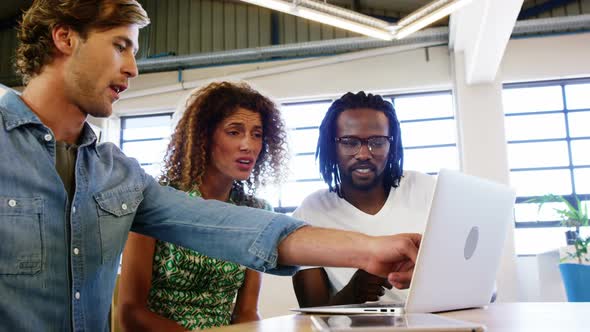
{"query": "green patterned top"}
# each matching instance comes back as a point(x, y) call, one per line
point(194, 290)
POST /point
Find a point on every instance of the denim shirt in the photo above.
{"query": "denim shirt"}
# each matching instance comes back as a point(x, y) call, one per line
point(59, 277)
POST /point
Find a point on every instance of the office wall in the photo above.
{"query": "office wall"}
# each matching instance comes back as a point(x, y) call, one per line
point(543, 58)
point(532, 59)
point(415, 70)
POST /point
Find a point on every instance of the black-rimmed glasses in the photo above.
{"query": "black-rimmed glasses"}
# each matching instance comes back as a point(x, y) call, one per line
point(351, 145)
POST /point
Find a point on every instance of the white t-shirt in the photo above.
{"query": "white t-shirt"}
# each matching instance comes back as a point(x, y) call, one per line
point(405, 211)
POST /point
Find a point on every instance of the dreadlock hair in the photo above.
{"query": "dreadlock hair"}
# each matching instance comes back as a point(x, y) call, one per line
point(189, 151)
point(326, 147)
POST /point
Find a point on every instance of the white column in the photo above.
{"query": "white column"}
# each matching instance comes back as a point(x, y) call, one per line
point(483, 151)
point(112, 131)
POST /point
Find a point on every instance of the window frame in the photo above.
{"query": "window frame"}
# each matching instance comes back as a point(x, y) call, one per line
point(123, 121)
point(290, 209)
point(391, 98)
point(562, 83)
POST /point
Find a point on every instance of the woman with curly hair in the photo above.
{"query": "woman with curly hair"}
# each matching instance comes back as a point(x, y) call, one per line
point(228, 143)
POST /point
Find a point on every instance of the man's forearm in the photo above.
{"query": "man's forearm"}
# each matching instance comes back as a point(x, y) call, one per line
point(315, 246)
point(391, 256)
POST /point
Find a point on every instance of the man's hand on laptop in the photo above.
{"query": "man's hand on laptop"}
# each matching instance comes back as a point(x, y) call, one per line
point(390, 257)
point(394, 257)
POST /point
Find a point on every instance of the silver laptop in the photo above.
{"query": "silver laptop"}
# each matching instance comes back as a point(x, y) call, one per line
point(460, 251)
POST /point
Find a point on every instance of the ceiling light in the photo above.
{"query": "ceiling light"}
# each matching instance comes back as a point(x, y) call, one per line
point(332, 15)
point(427, 15)
point(341, 23)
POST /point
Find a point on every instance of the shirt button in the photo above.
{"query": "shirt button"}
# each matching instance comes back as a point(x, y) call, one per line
point(12, 203)
point(73, 209)
point(77, 295)
point(124, 206)
point(47, 137)
point(76, 251)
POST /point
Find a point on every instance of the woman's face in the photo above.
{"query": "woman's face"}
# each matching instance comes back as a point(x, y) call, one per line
point(236, 144)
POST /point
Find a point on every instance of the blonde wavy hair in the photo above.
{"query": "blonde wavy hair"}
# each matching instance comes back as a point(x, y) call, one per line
point(35, 43)
point(188, 153)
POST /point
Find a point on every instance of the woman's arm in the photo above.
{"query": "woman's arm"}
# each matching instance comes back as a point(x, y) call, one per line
point(246, 309)
point(134, 288)
point(312, 288)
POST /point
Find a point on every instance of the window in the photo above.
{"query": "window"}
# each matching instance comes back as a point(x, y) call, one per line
point(302, 121)
point(428, 135)
point(428, 131)
point(548, 142)
point(146, 138)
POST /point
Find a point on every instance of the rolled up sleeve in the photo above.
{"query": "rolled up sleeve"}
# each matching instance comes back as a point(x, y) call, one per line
point(265, 247)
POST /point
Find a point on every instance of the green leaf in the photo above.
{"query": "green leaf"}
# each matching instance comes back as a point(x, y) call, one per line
point(570, 215)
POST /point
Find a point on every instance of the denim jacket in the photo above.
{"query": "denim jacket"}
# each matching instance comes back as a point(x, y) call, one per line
point(59, 277)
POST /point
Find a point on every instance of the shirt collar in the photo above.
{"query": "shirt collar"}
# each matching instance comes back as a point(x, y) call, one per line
point(88, 138)
point(16, 113)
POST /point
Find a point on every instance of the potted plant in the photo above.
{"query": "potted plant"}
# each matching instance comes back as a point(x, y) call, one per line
point(571, 216)
point(574, 266)
point(576, 276)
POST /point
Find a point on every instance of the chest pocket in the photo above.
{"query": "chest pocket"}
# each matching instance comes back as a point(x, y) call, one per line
point(116, 210)
point(21, 245)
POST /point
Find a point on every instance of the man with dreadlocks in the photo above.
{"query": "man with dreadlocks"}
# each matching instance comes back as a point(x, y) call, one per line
point(360, 156)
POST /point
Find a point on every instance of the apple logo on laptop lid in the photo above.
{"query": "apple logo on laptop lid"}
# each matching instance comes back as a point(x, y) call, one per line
point(471, 242)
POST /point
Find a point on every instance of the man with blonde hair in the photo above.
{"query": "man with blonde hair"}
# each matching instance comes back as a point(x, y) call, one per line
point(68, 203)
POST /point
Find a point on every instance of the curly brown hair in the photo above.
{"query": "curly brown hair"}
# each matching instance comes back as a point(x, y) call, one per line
point(189, 149)
point(36, 47)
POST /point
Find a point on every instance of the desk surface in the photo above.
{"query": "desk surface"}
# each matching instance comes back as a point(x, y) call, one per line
point(503, 317)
